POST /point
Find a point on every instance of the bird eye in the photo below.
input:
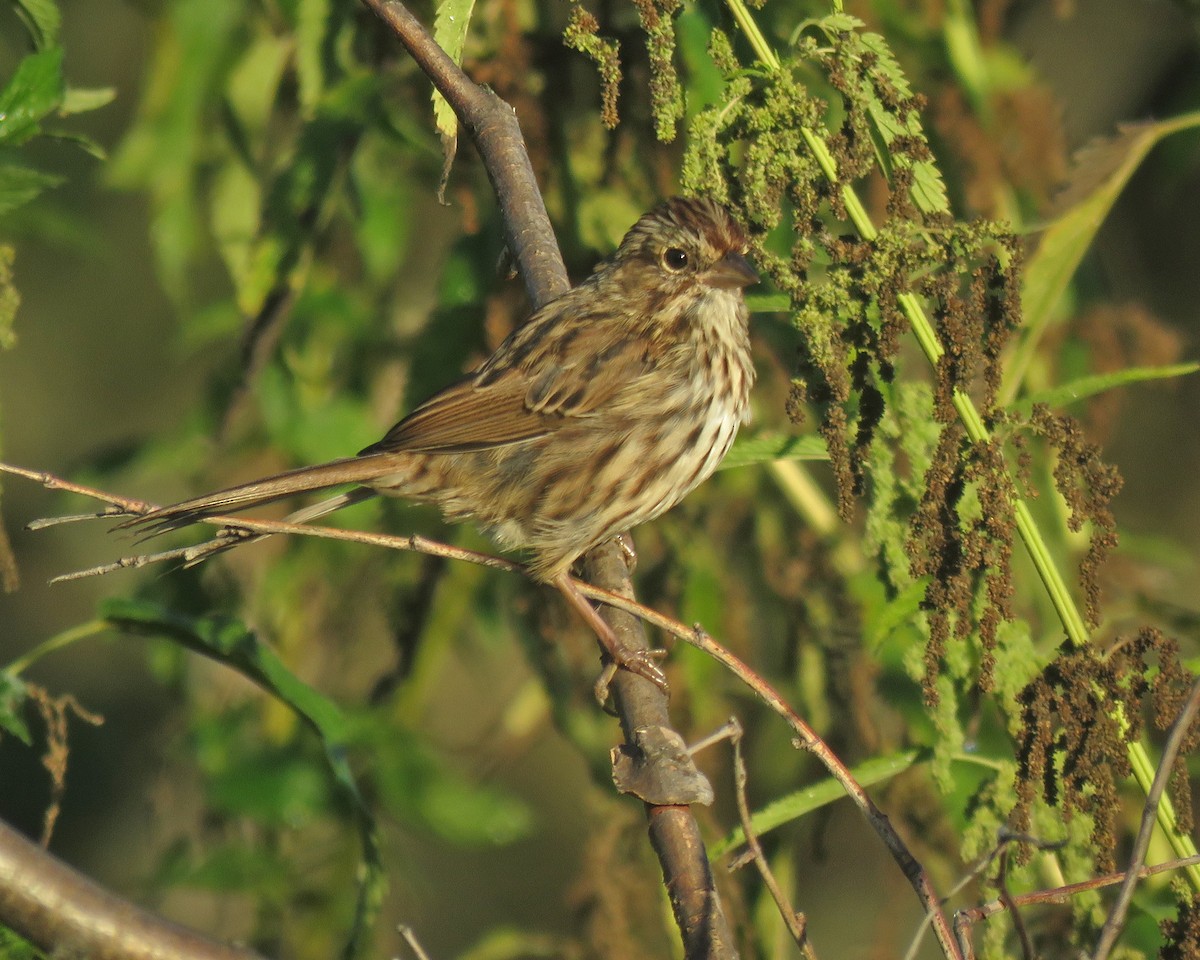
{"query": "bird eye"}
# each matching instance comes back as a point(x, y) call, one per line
point(675, 259)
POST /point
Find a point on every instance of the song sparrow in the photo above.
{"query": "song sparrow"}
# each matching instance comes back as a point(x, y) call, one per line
point(601, 412)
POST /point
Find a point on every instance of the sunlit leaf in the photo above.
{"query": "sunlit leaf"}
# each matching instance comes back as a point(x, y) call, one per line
point(12, 703)
point(163, 151)
point(83, 99)
point(43, 19)
point(766, 447)
point(450, 31)
point(254, 83)
point(34, 92)
point(802, 802)
point(1101, 171)
point(312, 28)
point(1089, 386)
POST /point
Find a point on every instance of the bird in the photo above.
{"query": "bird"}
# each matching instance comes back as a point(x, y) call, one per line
point(602, 411)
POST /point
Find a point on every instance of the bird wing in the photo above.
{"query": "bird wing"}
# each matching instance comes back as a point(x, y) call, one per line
point(466, 417)
point(533, 385)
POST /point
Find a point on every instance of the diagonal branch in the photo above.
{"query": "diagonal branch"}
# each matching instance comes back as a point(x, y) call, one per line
point(496, 133)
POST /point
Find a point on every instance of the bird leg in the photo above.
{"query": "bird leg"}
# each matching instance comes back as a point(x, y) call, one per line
point(640, 662)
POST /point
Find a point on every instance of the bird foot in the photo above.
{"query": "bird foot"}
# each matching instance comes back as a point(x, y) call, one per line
point(641, 662)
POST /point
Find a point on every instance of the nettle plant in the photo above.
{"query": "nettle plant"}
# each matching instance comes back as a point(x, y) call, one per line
point(946, 450)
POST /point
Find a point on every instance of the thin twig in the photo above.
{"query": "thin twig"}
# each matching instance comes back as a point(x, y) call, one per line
point(793, 918)
point(1006, 837)
point(1116, 916)
point(965, 919)
point(410, 937)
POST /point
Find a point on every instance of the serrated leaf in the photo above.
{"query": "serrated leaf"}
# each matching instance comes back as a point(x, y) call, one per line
point(766, 447)
point(83, 99)
point(19, 185)
point(886, 62)
point(12, 702)
point(1089, 386)
point(450, 31)
point(34, 92)
point(928, 190)
point(831, 24)
point(43, 19)
point(802, 802)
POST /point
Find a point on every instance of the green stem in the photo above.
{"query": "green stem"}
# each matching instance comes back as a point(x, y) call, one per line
point(1056, 586)
point(56, 642)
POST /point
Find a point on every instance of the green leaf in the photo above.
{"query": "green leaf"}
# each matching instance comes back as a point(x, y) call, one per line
point(766, 447)
point(768, 302)
point(169, 148)
point(271, 786)
point(1100, 173)
point(417, 786)
point(254, 84)
point(34, 92)
point(312, 29)
point(12, 702)
point(1084, 387)
point(43, 19)
point(802, 802)
point(81, 140)
point(230, 866)
point(231, 643)
point(450, 32)
point(19, 185)
point(10, 299)
point(83, 99)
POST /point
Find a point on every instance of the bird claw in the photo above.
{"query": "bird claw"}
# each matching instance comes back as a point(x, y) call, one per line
point(640, 662)
point(625, 542)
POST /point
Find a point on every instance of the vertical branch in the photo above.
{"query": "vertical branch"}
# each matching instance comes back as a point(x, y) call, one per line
point(493, 127)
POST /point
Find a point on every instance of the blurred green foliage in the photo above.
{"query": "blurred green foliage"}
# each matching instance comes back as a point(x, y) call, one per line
point(292, 165)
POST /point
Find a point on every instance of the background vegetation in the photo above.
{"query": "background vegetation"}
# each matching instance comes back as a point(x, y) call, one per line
point(222, 221)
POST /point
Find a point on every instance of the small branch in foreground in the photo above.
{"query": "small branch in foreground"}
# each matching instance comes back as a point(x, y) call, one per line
point(62, 912)
point(794, 919)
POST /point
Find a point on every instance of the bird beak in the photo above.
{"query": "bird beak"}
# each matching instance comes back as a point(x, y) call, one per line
point(732, 270)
